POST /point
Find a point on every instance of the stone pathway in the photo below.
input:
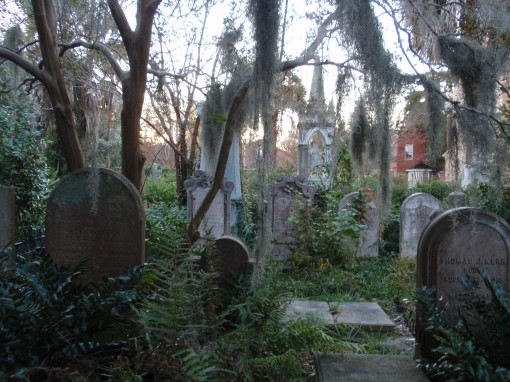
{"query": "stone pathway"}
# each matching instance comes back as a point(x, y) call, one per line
point(359, 367)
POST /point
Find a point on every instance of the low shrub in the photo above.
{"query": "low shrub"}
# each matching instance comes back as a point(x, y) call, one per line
point(476, 347)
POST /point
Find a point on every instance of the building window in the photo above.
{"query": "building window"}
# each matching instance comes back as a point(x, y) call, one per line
point(409, 151)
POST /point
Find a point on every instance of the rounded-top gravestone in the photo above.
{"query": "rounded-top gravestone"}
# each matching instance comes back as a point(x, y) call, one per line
point(96, 216)
point(456, 199)
point(456, 244)
point(228, 261)
point(415, 213)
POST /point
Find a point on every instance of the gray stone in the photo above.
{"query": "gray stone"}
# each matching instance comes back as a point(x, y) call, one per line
point(286, 194)
point(456, 199)
point(455, 244)
point(105, 227)
point(7, 221)
point(316, 311)
point(333, 367)
point(415, 213)
point(366, 315)
point(347, 201)
point(229, 261)
point(217, 219)
point(368, 243)
point(154, 171)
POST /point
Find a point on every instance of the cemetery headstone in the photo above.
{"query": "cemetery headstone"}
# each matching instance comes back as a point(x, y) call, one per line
point(368, 244)
point(7, 221)
point(154, 171)
point(456, 199)
point(229, 260)
point(286, 194)
point(415, 213)
point(103, 225)
point(457, 243)
point(217, 220)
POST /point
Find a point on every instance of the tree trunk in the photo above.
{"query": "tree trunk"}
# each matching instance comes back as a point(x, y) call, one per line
point(46, 24)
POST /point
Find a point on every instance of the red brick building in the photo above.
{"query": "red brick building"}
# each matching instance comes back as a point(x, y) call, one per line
point(409, 149)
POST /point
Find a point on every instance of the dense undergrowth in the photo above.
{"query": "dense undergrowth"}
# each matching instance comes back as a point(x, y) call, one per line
point(163, 321)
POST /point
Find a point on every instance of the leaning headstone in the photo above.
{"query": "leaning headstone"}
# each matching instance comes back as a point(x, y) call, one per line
point(96, 216)
point(332, 367)
point(286, 194)
point(347, 201)
point(457, 243)
point(368, 243)
point(456, 199)
point(7, 221)
point(415, 213)
point(217, 219)
point(229, 260)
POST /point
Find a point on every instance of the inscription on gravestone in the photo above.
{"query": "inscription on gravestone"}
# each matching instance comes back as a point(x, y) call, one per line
point(108, 232)
point(217, 220)
point(415, 213)
point(285, 194)
point(7, 220)
point(456, 244)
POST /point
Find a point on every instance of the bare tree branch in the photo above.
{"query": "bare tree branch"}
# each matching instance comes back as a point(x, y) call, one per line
point(106, 51)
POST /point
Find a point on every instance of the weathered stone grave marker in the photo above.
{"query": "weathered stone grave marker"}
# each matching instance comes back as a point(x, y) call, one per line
point(415, 213)
point(368, 244)
point(229, 261)
point(108, 231)
point(456, 199)
point(458, 242)
point(217, 220)
point(333, 367)
point(365, 315)
point(286, 194)
point(7, 221)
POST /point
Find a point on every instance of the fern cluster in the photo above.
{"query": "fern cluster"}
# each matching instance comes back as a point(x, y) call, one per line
point(475, 347)
point(47, 318)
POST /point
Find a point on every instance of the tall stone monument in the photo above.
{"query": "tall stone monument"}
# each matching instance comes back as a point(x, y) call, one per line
point(103, 225)
point(453, 246)
point(285, 194)
point(415, 213)
point(217, 220)
point(316, 130)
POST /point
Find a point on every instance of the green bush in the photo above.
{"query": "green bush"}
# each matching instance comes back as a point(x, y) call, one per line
point(475, 348)
point(47, 319)
point(23, 166)
point(163, 190)
point(322, 235)
point(488, 197)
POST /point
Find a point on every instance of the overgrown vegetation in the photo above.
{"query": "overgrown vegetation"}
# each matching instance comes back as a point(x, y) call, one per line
point(23, 166)
point(475, 347)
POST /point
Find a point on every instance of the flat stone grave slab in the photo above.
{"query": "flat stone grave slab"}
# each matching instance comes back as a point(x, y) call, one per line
point(367, 315)
point(367, 367)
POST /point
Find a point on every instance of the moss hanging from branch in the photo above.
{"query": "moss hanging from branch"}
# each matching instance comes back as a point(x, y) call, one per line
point(363, 35)
point(437, 121)
point(266, 19)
